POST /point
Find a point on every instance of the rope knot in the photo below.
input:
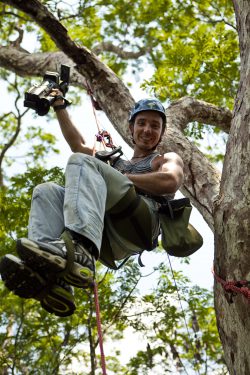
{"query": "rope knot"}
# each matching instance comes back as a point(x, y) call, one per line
point(228, 286)
point(234, 287)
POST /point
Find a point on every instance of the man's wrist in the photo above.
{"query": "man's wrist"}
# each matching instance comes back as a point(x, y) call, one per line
point(63, 103)
point(58, 107)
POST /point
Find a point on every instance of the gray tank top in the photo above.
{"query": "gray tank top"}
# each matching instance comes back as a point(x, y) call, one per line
point(141, 166)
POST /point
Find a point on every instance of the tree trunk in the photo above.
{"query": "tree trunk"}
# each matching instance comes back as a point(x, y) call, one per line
point(232, 257)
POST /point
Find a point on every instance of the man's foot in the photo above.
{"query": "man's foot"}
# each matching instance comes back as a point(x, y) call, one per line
point(56, 298)
point(70, 261)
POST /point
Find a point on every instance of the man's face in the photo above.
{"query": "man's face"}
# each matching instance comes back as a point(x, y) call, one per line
point(147, 129)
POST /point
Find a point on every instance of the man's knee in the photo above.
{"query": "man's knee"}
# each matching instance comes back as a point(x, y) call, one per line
point(79, 158)
point(46, 189)
point(89, 162)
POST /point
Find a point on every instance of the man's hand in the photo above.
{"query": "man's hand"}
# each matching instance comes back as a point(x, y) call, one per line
point(60, 102)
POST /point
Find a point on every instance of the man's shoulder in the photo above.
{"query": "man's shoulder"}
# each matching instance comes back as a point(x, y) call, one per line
point(172, 156)
point(168, 157)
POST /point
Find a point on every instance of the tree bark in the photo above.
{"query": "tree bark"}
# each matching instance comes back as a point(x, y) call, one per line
point(232, 213)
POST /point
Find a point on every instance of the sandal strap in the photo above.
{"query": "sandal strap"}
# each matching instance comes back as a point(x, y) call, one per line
point(66, 236)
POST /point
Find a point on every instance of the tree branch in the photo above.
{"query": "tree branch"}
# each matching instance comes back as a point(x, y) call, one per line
point(188, 109)
point(26, 64)
point(11, 141)
point(19, 39)
point(110, 47)
point(7, 13)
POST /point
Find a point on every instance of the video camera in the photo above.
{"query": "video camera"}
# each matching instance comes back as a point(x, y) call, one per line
point(38, 97)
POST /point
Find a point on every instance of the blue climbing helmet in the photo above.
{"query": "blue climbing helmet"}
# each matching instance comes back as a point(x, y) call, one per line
point(148, 105)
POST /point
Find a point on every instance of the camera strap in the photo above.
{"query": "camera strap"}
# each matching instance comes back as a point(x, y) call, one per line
point(61, 106)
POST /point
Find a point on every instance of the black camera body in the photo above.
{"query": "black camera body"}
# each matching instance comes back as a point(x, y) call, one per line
point(38, 97)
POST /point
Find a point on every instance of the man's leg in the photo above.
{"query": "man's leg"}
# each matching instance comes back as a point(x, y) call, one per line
point(92, 187)
point(46, 223)
point(45, 251)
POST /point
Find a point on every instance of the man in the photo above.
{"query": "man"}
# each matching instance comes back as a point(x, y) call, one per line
point(103, 212)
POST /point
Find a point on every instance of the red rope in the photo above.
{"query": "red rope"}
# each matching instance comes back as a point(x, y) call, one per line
point(100, 137)
point(103, 136)
point(99, 329)
point(240, 286)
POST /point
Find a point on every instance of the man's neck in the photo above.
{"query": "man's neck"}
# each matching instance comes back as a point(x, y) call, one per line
point(141, 154)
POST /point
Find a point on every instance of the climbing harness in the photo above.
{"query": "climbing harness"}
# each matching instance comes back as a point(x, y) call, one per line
point(103, 136)
point(234, 287)
point(105, 155)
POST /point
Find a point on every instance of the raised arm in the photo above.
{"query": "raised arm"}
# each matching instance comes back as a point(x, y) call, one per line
point(166, 178)
point(71, 134)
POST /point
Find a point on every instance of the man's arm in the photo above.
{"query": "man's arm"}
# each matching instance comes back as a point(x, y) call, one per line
point(166, 178)
point(71, 134)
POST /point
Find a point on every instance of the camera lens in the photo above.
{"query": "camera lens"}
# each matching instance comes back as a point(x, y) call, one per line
point(43, 106)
